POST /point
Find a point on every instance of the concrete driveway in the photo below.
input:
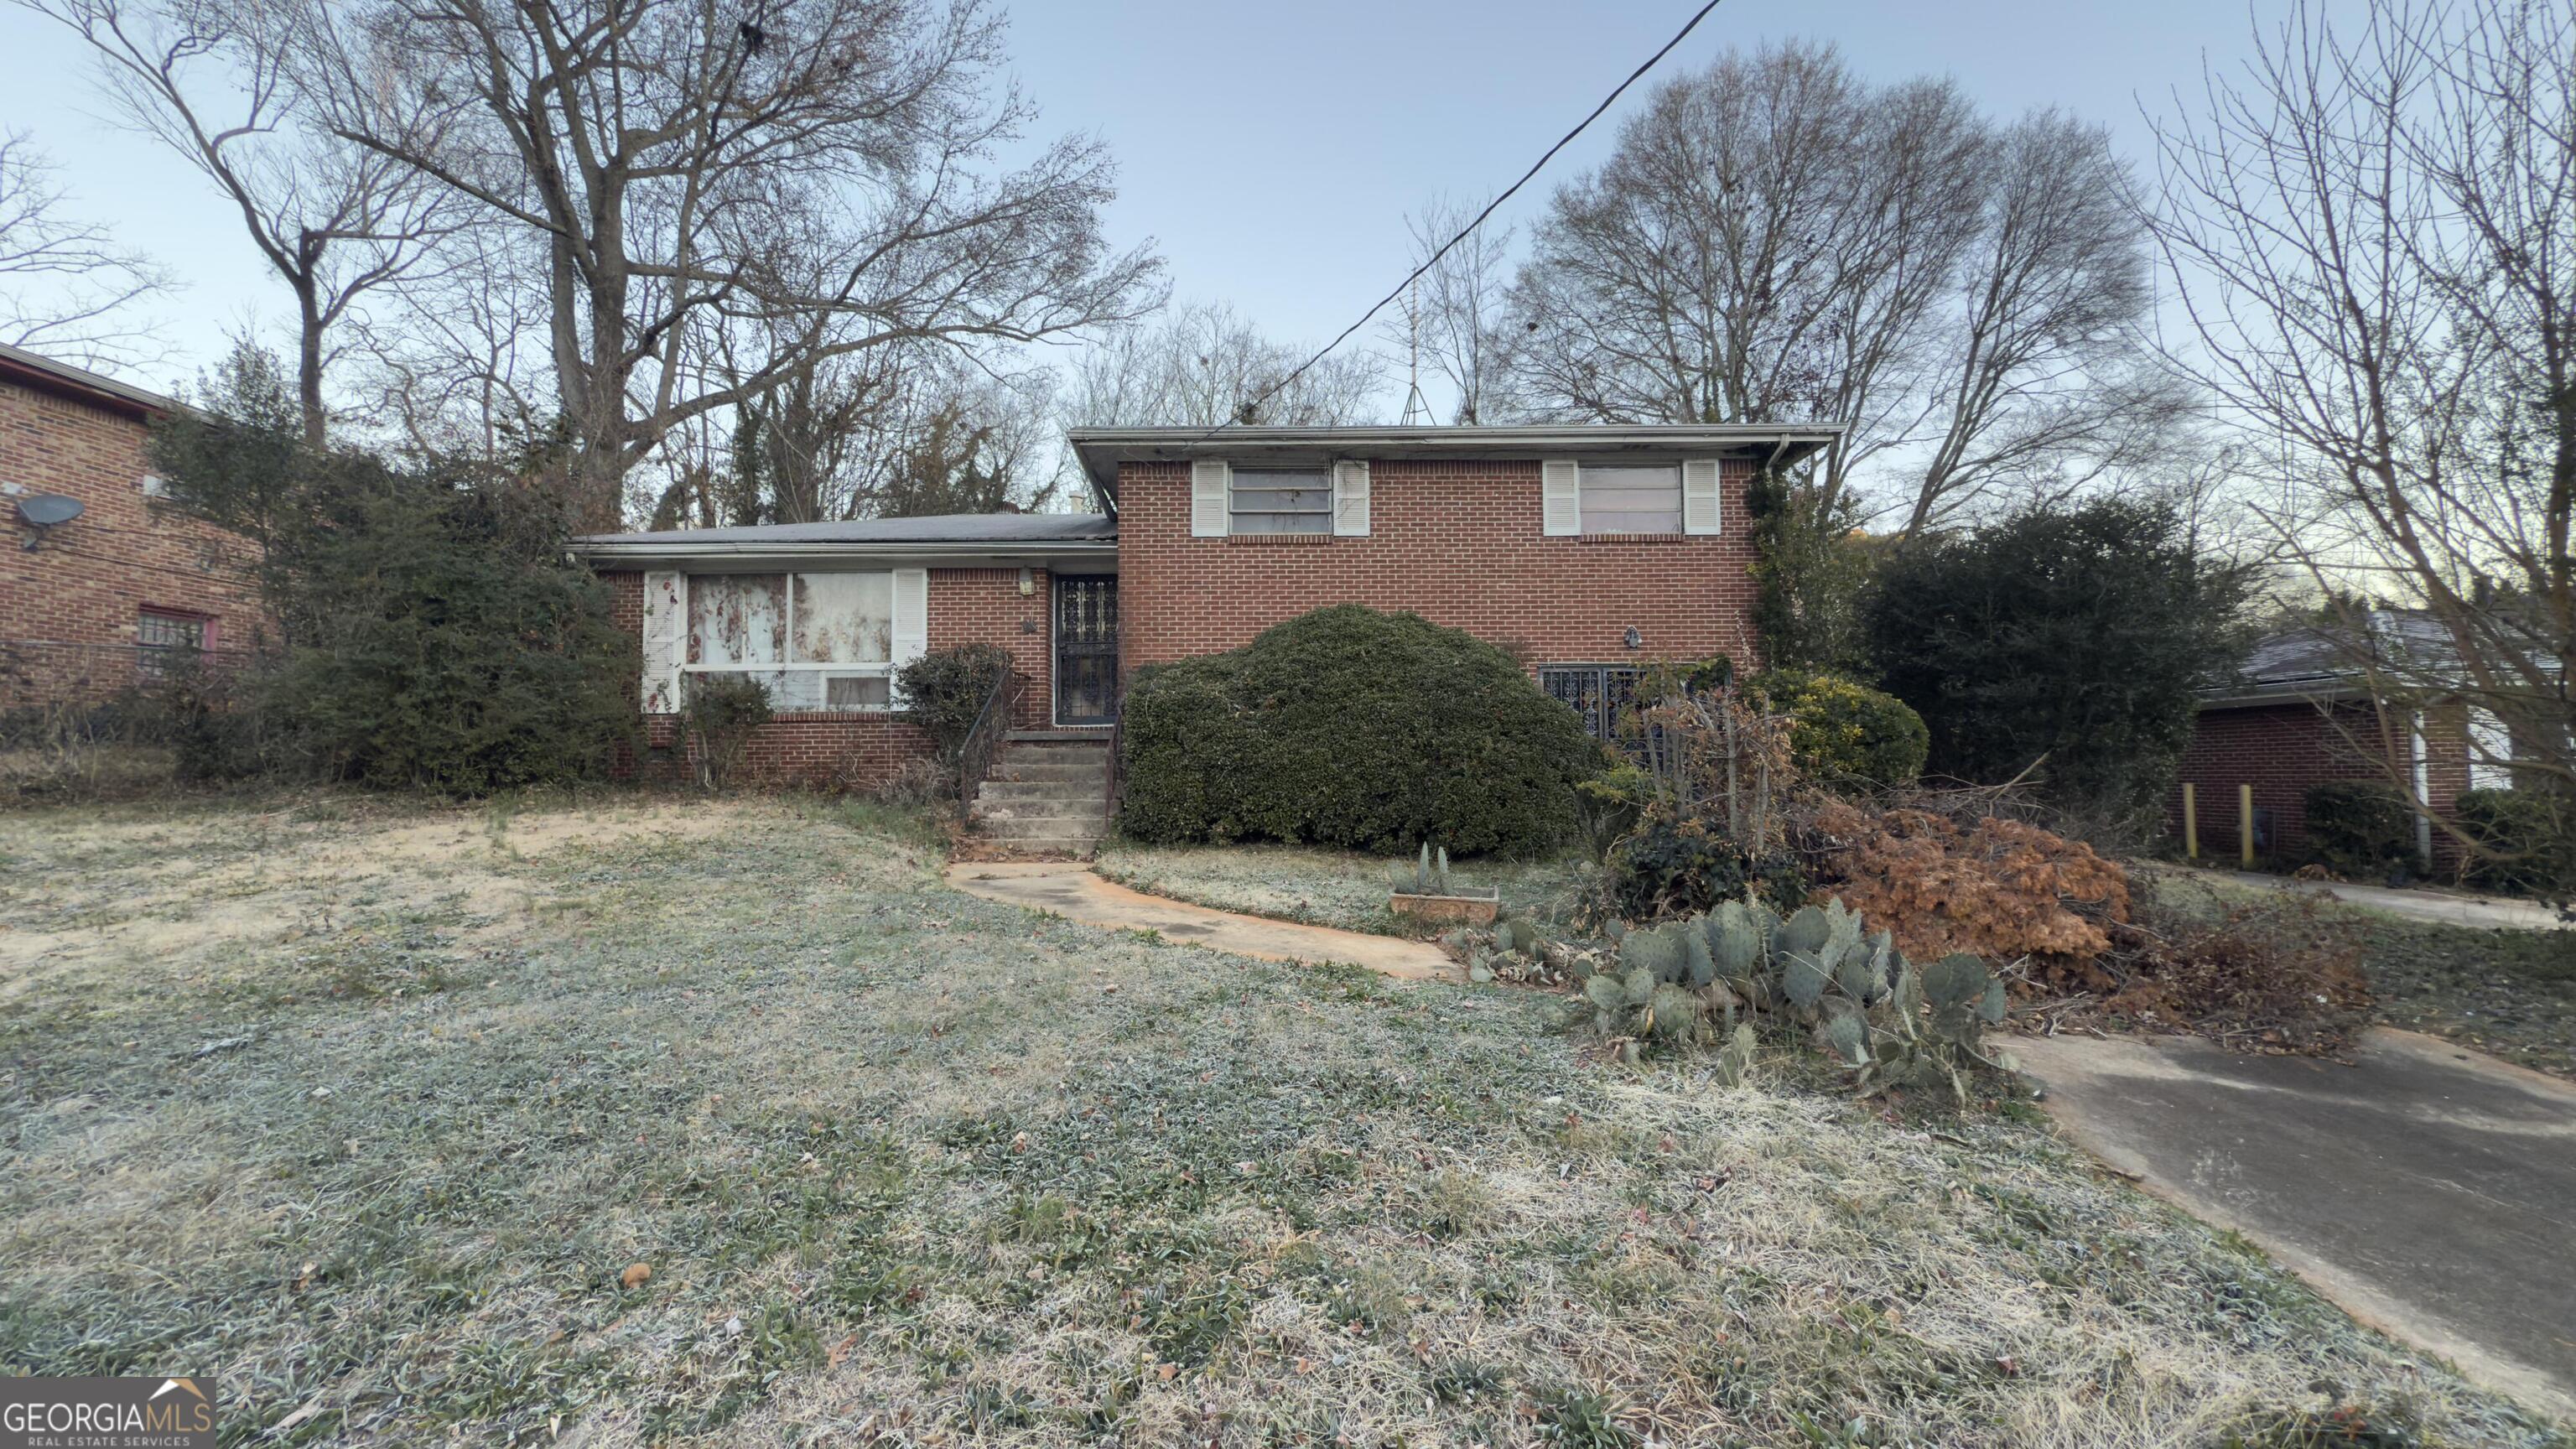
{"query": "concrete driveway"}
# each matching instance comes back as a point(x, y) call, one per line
point(2430, 1191)
point(2446, 908)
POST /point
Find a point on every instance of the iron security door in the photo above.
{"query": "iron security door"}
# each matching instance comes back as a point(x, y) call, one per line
point(1086, 650)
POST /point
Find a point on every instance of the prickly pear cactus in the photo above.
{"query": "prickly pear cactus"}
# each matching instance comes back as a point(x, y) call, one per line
point(1659, 950)
point(1884, 1019)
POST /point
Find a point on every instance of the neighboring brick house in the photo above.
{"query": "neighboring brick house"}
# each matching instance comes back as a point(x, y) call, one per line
point(2301, 713)
point(1588, 552)
point(91, 606)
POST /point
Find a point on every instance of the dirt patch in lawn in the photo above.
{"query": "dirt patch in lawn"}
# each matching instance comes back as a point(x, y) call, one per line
point(903, 1162)
point(1323, 887)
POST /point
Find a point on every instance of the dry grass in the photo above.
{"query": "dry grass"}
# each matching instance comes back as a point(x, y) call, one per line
point(2509, 993)
point(366, 1109)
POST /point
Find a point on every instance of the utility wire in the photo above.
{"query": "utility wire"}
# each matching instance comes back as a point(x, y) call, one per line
point(1253, 406)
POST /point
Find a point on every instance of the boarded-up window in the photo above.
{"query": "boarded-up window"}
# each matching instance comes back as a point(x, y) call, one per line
point(844, 618)
point(737, 619)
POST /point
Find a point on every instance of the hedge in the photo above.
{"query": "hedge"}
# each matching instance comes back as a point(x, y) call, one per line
point(2523, 837)
point(1353, 728)
point(2359, 827)
point(1844, 732)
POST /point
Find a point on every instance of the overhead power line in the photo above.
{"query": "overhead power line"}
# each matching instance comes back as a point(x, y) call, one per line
point(1252, 406)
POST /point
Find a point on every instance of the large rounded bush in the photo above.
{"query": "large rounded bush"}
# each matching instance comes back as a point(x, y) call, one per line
point(1844, 732)
point(1353, 728)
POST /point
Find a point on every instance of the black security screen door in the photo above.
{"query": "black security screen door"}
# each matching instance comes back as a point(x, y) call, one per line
point(1086, 650)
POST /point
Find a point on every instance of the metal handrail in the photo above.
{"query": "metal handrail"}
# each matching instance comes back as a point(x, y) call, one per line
point(984, 737)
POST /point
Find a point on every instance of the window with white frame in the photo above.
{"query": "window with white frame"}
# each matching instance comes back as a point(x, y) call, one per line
point(1279, 501)
point(816, 641)
point(1629, 498)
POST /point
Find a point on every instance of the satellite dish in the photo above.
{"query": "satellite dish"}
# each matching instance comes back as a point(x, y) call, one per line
point(45, 510)
point(41, 511)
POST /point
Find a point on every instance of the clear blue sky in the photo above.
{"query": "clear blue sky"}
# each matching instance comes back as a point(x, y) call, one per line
point(1272, 150)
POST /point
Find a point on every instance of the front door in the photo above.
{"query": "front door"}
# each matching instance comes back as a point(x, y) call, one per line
point(1086, 649)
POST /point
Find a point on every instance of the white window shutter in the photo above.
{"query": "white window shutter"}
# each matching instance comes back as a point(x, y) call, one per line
point(1351, 499)
point(666, 611)
point(911, 621)
point(1208, 480)
point(1699, 496)
point(1560, 490)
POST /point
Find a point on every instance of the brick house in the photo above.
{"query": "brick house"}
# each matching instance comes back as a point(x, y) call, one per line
point(91, 606)
point(1589, 552)
point(2302, 712)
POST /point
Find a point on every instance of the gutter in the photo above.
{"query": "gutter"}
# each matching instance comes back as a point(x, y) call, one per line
point(2335, 694)
point(908, 552)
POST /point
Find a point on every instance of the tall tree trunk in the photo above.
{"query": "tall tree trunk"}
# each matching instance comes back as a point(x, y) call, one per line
point(308, 361)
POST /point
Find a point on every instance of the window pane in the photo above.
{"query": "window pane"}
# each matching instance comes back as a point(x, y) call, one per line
point(1282, 522)
point(1280, 500)
point(844, 618)
point(789, 689)
point(863, 691)
point(170, 631)
point(1632, 498)
point(737, 618)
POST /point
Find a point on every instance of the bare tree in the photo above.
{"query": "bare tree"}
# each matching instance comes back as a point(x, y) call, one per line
point(208, 80)
point(1204, 366)
point(806, 176)
point(2370, 230)
point(1774, 240)
point(66, 288)
point(1454, 319)
point(2046, 375)
point(1764, 245)
point(453, 355)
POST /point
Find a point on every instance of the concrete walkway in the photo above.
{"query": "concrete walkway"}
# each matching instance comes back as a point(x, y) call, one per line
point(1073, 892)
point(2423, 905)
point(2429, 1190)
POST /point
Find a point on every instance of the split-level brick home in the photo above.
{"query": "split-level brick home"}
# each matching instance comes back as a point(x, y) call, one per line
point(1588, 552)
point(127, 586)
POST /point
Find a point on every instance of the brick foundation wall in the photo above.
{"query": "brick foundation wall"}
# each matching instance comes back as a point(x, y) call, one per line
point(83, 589)
point(2283, 749)
point(1456, 542)
point(859, 750)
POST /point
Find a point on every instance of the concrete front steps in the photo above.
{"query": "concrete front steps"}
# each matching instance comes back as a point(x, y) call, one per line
point(1048, 793)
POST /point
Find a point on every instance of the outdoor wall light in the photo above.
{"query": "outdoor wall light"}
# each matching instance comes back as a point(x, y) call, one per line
point(1028, 583)
point(1633, 639)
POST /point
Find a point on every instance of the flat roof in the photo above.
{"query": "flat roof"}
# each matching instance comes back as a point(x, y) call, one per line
point(1103, 449)
point(42, 371)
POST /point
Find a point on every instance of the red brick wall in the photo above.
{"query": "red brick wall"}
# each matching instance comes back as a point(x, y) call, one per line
point(856, 750)
point(1456, 542)
point(2283, 749)
point(86, 584)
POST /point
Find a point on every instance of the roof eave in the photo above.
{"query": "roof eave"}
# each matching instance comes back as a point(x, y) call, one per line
point(1102, 450)
point(36, 370)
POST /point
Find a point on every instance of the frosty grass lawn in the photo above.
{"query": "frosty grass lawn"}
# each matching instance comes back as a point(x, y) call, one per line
point(365, 1110)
